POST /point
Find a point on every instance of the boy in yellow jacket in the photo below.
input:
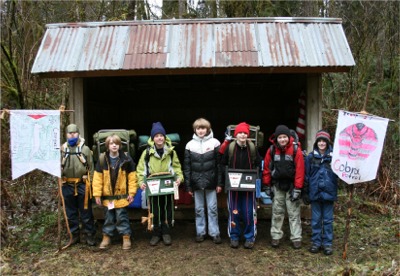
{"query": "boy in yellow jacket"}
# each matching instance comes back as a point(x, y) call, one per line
point(114, 186)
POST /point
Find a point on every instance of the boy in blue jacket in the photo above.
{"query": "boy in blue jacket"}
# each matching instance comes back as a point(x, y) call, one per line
point(322, 182)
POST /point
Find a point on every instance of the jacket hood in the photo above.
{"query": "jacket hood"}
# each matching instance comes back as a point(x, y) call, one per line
point(207, 137)
point(168, 147)
point(328, 152)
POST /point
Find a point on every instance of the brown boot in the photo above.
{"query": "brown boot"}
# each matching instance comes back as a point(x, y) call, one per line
point(126, 242)
point(105, 242)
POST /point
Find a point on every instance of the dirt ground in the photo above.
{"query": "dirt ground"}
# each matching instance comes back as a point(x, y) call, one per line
point(186, 257)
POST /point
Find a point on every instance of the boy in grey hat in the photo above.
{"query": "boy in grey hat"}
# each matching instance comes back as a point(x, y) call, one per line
point(77, 169)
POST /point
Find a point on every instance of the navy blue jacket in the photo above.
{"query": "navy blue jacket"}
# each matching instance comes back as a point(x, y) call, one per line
point(321, 179)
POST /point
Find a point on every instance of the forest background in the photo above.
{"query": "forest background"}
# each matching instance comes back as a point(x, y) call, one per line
point(29, 204)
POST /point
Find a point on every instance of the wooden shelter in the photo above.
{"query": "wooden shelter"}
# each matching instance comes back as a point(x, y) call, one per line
point(129, 74)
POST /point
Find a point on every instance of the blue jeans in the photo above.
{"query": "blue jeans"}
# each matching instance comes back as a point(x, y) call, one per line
point(210, 197)
point(116, 218)
point(74, 207)
point(322, 222)
point(242, 209)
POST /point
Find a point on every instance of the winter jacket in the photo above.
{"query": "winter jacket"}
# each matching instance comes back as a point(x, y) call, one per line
point(158, 163)
point(125, 184)
point(73, 167)
point(201, 163)
point(282, 169)
point(241, 159)
point(321, 179)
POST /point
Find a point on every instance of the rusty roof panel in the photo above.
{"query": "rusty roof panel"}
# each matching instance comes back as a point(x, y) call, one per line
point(188, 44)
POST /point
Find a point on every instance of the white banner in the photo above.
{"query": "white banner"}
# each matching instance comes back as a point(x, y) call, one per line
point(358, 146)
point(35, 141)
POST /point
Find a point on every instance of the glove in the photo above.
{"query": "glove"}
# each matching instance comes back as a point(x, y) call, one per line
point(304, 194)
point(227, 136)
point(295, 195)
point(269, 192)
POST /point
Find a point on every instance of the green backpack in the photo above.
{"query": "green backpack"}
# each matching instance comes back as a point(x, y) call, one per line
point(128, 140)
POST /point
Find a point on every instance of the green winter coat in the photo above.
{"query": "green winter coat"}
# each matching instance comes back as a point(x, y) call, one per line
point(159, 164)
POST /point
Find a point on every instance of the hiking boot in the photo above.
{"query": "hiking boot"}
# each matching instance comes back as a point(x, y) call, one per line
point(296, 244)
point(328, 250)
point(314, 248)
point(105, 243)
point(275, 243)
point(167, 239)
point(217, 239)
point(248, 244)
point(126, 242)
point(234, 243)
point(90, 240)
point(154, 240)
point(199, 238)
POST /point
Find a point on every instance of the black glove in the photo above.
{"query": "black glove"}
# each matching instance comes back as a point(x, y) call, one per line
point(295, 194)
point(304, 194)
point(269, 192)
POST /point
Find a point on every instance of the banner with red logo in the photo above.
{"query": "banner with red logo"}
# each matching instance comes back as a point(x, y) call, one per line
point(35, 141)
point(358, 146)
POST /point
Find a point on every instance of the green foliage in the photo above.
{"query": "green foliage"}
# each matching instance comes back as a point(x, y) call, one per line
point(33, 234)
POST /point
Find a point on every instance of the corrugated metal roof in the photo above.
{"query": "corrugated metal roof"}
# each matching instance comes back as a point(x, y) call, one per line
point(134, 47)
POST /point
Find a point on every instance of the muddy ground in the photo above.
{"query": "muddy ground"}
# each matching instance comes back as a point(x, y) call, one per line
point(373, 249)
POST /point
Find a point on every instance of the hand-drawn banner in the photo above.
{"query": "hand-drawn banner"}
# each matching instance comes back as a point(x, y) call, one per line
point(358, 146)
point(35, 141)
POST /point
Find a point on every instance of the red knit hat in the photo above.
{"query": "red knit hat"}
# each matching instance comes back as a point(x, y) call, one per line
point(242, 127)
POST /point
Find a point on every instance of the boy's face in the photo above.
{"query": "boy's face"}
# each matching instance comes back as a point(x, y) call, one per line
point(241, 137)
point(322, 145)
point(159, 140)
point(201, 132)
point(113, 147)
point(283, 140)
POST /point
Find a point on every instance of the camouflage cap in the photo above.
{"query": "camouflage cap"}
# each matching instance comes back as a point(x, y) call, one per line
point(72, 128)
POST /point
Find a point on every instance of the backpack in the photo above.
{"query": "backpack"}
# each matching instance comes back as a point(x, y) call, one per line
point(128, 140)
point(174, 137)
point(253, 151)
point(78, 153)
point(256, 136)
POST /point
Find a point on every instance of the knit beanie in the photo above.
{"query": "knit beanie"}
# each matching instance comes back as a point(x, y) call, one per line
point(242, 127)
point(322, 134)
point(157, 128)
point(72, 128)
point(282, 129)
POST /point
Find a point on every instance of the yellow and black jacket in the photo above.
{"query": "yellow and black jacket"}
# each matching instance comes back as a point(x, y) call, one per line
point(125, 182)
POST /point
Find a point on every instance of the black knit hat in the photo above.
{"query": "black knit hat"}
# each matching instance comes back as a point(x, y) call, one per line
point(282, 129)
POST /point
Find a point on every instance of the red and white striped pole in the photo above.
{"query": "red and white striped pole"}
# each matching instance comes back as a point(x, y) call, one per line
point(301, 121)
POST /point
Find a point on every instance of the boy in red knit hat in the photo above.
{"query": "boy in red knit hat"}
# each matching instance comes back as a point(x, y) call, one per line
point(241, 204)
